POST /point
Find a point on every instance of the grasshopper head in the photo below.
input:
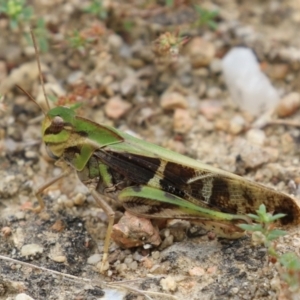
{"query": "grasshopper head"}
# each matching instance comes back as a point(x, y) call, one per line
point(57, 128)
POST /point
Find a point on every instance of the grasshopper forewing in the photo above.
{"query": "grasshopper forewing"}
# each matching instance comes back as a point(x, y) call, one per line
point(153, 182)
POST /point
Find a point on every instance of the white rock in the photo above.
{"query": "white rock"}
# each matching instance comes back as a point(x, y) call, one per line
point(31, 249)
point(168, 284)
point(94, 259)
point(23, 296)
point(256, 136)
point(250, 89)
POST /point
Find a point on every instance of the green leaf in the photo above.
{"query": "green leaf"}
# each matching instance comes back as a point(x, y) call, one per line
point(261, 210)
point(169, 3)
point(252, 216)
point(290, 261)
point(251, 227)
point(274, 234)
point(13, 24)
point(277, 216)
point(52, 98)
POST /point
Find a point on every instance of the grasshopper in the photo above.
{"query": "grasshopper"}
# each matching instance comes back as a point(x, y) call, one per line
point(151, 181)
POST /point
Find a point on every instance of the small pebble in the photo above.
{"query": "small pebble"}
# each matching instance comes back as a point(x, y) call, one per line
point(68, 203)
point(256, 136)
point(147, 262)
point(23, 296)
point(237, 124)
point(94, 259)
point(196, 271)
point(128, 85)
point(18, 237)
point(132, 231)
point(31, 154)
point(216, 66)
point(75, 77)
point(133, 265)
point(182, 122)
point(20, 215)
point(6, 231)
point(168, 284)
point(105, 267)
point(210, 109)
point(128, 260)
point(115, 108)
point(58, 226)
point(157, 269)
point(114, 41)
point(136, 256)
point(234, 290)
point(168, 241)
point(277, 71)
point(288, 105)
point(121, 268)
point(201, 52)
point(155, 254)
point(173, 100)
point(31, 250)
point(59, 258)
point(79, 199)
point(213, 92)
point(212, 270)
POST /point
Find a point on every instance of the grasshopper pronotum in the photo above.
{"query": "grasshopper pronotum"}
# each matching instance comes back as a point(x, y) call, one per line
point(151, 181)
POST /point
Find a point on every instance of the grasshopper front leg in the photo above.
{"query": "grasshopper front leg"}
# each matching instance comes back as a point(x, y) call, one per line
point(98, 178)
point(38, 192)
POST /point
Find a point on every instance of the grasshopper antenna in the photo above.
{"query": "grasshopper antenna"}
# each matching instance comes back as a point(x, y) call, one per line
point(39, 66)
point(30, 97)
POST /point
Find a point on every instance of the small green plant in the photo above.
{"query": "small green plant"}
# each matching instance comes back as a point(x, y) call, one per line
point(81, 40)
point(291, 263)
point(128, 25)
point(169, 43)
point(169, 3)
point(264, 232)
point(77, 41)
point(97, 9)
point(17, 11)
point(206, 18)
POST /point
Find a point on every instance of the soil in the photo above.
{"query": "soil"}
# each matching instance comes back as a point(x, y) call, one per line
point(151, 69)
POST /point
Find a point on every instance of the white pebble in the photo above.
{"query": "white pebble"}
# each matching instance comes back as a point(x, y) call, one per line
point(23, 296)
point(94, 259)
point(256, 136)
point(249, 87)
point(31, 250)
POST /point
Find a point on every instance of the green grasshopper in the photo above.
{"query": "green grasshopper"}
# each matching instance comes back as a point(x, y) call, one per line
point(151, 181)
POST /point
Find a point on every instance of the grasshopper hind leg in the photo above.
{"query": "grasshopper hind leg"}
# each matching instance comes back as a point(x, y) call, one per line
point(149, 202)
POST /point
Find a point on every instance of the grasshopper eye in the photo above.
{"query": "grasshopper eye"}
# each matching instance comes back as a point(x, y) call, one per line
point(50, 153)
point(57, 124)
